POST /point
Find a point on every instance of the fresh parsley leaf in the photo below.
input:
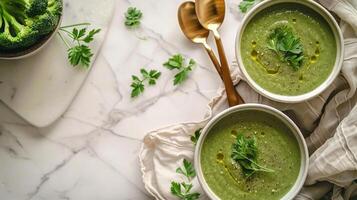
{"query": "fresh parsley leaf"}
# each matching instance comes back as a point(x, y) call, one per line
point(195, 136)
point(176, 189)
point(287, 46)
point(151, 76)
point(187, 170)
point(175, 62)
point(133, 17)
point(245, 153)
point(181, 76)
point(90, 37)
point(182, 191)
point(245, 5)
point(80, 55)
point(78, 34)
point(137, 84)
point(178, 62)
point(186, 187)
point(79, 52)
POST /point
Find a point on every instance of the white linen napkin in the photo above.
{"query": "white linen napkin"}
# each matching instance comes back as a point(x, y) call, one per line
point(329, 123)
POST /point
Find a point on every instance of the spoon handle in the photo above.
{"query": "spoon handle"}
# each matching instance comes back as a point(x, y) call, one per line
point(232, 95)
point(213, 59)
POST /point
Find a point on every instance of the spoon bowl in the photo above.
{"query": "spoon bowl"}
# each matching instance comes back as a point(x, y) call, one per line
point(194, 31)
point(190, 25)
point(211, 13)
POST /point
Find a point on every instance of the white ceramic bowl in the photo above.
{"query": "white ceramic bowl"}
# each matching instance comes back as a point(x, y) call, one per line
point(35, 48)
point(261, 108)
point(339, 44)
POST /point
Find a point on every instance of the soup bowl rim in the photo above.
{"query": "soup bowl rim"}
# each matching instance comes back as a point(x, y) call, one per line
point(304, 156)
point(319, 9)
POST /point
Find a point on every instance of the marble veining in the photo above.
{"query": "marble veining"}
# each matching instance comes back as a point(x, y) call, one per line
point(91, 152)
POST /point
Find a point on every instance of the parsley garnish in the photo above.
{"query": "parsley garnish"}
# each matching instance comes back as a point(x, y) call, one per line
point(287, 46)
point(245, 5)
point(187, 170)
point(178, 62)
point(133, 17)
point(138, 86)
point(195, 136)
point(79, 52)
point(183, 190)
point(245, 153)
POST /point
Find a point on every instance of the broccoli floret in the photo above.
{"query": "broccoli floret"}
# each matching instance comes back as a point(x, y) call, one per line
point(48, 21)
point(55, 7)
point(24, 22)
point(37, 7)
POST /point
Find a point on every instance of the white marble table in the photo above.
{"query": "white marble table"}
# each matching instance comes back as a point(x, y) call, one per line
point(91, 153)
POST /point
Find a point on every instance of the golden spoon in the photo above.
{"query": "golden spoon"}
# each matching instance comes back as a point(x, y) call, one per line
point(211, 14)
point(194, 31)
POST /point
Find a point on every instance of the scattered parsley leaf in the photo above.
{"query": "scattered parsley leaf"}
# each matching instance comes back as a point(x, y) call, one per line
point(183, 192)
point(137, 84)
point(90, 37)
point(287, 46)
point(78, 34)
point(175, 62)
point(245, 153)
point(195, 136)
point(151, 76)
point(245, 5)
point(79, 52)
point(178, 62)
point(133, 17)
point(176, 189)
point(187, 170)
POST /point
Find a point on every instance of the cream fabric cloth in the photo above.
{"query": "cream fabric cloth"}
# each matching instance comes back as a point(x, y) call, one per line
point(329, 123)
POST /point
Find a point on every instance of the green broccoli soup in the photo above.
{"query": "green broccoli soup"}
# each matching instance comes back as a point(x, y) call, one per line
point(250, 155)
point(288, 49)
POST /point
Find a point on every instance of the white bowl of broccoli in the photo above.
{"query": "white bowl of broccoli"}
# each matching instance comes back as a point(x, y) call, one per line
point(26, 26)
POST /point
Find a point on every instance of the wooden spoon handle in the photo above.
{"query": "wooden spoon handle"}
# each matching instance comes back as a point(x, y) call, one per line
point(232, 95)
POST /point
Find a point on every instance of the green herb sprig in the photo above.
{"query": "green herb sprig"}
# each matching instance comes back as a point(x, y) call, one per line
point(183, 190)
point(137, 84)
point(245, 5)
point(178, 62)
point(245, 153)
point(79, 53)
point(187, 170)
point(133, 17)
point(195, 136)
point(287, 46)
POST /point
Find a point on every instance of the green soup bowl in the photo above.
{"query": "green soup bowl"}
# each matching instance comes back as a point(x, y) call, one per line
point(285, 153)
point(274, 73)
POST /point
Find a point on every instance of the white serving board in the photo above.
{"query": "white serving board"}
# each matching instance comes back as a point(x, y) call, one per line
point(41, 88)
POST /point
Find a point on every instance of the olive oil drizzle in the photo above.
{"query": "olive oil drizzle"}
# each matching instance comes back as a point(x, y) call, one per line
point(314, 58)
point(220, 160)
point(255, 57)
